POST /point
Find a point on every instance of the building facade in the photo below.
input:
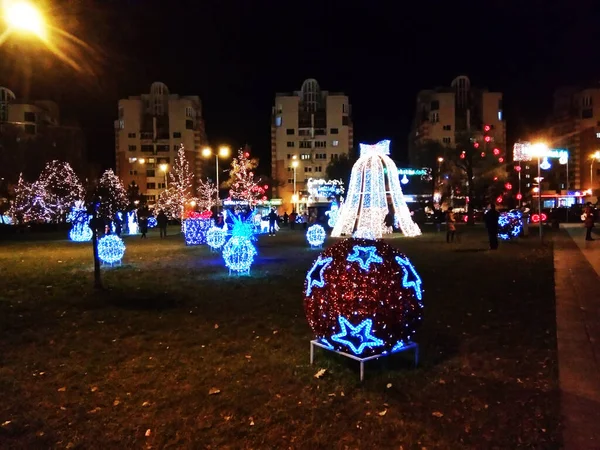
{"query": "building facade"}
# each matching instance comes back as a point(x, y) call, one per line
point(148, 134)
point(31, 134)
point(312, 127)
point(445, 114)
point(575, 126)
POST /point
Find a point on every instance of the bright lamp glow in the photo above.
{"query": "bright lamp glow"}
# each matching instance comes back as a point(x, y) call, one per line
point(538, 150)
point(206, 152)
point(23, 16)
point(224, 151)
point(164, 167)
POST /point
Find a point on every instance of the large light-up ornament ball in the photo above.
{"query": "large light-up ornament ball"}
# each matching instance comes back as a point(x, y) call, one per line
point(238, 254)
point(510, 225)
point(363, 297)
point(216, 237)
point(152, 222)
point(315, 235)
point(111, 249)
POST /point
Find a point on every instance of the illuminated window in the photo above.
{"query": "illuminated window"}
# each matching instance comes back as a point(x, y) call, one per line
point(278, 121)
point(335, 143)
point(305, 156)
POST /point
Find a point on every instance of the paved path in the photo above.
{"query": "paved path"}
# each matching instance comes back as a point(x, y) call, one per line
point(577, 281)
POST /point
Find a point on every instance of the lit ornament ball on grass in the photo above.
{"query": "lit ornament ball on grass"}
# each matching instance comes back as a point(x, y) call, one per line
point(239, 254)
point(315, 235)
point(510, 225)
point(152, 222)
point(111, 249)
point(363, 297)
point(216, 237)
point(195, 230)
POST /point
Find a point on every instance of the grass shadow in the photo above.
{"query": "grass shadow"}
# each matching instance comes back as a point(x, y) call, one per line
point(139, 301)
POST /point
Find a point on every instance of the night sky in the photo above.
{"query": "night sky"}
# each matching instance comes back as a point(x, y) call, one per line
point(237, 54)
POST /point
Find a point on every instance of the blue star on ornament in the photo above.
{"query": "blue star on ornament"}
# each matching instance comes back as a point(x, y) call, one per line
point(364, 256)
point(409, 270)
point(361, 332)
point(314, 276)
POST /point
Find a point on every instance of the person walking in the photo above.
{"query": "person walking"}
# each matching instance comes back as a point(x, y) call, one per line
point(491, 223)
point(588, 221)
point(293, 217)
point(286, 219)
point(143, 222)
point(162, 221)
point(450, 226)
point(272, 219)
point(438, 218)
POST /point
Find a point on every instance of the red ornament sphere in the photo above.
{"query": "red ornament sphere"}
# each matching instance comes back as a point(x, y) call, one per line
point(363, 297)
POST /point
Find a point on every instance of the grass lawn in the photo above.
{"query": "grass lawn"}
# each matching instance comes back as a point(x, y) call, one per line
point(132, 367)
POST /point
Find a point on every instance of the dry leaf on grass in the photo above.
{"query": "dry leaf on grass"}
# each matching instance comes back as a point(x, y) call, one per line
point(94, 389)
point(146, 404)
point(6, 423)
point(62, 389)
point(251, 422)
point(248, 357)
point(148, 432)
point(216, 326)
point(214, 391)
point(382, 413)
point(389, 385)
point(116, 402)
point(437, 414)
point(320, 373)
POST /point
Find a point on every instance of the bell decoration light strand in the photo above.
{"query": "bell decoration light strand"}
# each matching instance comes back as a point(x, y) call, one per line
point(367, 198)
point(111, 249)
point(333, 213)
point(315, 235)
point(363, 298)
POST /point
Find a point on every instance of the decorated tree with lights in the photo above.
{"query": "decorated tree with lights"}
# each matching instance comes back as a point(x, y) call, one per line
point(112, 194)
point(179, 191)
point(242, 182)
point(62, 188)
point(29, 204)
point(207, 192)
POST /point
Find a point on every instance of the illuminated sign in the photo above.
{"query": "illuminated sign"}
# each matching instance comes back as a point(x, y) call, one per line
point(321, 191)
point(522, 151)
point(413, 172)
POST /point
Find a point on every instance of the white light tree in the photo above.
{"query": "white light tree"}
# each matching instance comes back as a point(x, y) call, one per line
point(112, 193)
point(243, 184)
point(207, 191)
point(179, 191)
point(62, 189)
point(30, 204)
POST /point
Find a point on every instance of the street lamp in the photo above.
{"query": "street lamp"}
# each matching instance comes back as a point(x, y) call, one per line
point(23, 16)
point(538, 151)
point(295, 196)
point(223, 152)
point(594, 157)
point(165, 167)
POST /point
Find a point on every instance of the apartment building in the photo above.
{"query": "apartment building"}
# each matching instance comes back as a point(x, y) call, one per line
point(312, 127)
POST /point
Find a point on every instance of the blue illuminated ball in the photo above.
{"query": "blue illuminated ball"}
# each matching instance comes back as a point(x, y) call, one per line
point(510, 225)
point(239, 254)
point(111, 249)
point(315, 235)
point(216, 237)
point(151, 222)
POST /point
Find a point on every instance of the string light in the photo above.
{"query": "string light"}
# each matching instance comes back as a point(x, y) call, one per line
point(132, 224)
point(363, 233)
point(367, 198)
point(151, 222)
point(510, 225)
point(79, 217)
point(111, 249)
point(239, 251)
point(359, 294)
point(333, 213)
point(315, 235)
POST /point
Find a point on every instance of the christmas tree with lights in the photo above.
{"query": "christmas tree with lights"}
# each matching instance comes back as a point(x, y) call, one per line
point(30, 202)
point(243, 184)
point(61, 187)
point(112, 193)
point(179, 191)
point(207, 192)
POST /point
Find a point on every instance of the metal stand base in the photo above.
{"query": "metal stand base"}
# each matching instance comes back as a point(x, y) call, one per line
point(410, 346)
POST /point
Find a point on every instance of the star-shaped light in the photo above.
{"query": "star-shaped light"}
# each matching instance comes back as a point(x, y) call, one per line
point(361, 332)
point(409, 269)
point(314, 276)
point(364, 256)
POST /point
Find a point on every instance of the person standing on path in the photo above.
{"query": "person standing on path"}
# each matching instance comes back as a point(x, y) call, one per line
point(450, 226)
point(491, 223)
point(588, 221)
point(272, 219)
point(162, 220)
